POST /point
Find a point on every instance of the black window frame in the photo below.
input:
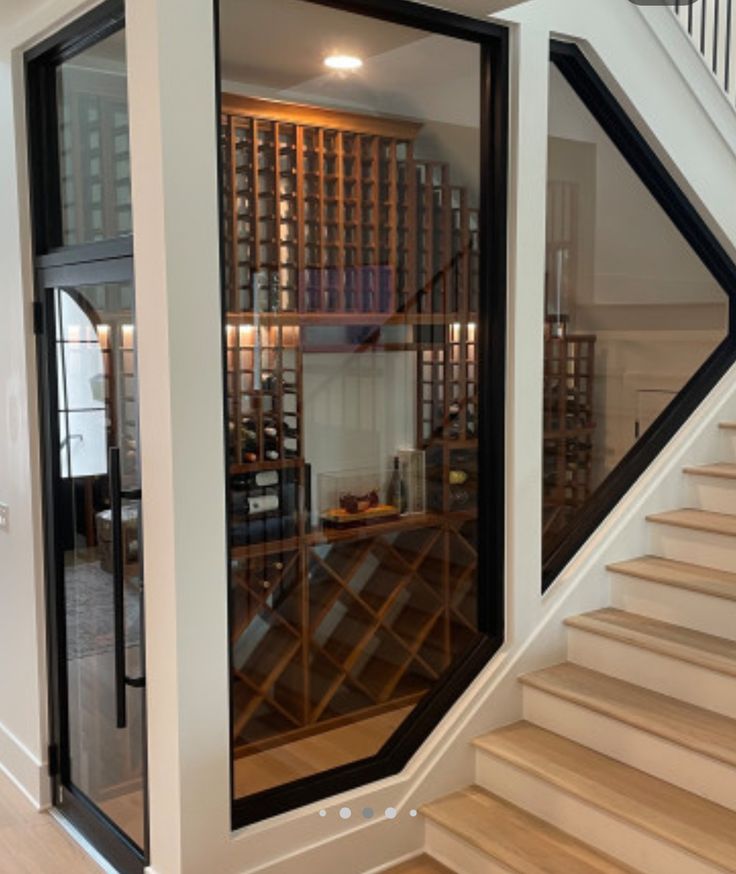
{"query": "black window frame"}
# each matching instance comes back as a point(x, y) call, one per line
point(597, 97)
point(493, 43)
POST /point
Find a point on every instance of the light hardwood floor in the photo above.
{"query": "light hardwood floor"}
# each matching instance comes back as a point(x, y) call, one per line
point(33, 843)
point(420, 865)
point(320, 752)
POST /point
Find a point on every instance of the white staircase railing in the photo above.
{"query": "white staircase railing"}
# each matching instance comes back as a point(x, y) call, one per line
point(712, 27)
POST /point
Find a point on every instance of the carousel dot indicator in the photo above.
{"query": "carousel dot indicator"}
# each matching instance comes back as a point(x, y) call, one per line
point(345, 813)
point(391, 813)
point(367, 813)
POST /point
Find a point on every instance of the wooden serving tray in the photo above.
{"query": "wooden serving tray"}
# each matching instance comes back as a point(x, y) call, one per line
point(339, 518)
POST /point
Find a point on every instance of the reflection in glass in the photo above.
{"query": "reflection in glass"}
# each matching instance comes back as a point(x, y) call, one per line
point(352, 364)
point(97, 409)
point(94, 153)
point(630, 311)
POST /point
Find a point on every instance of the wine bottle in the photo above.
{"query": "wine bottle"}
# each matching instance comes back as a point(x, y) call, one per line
point(270, 429)
point(396, 491)
point(262, 504)
point(288, 430)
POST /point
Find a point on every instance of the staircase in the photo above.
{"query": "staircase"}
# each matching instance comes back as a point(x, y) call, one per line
point(625, 760)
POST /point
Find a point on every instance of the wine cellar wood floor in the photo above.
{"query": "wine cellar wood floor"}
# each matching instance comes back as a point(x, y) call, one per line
point(317, 753)
point(420, 865)
point(34, 843)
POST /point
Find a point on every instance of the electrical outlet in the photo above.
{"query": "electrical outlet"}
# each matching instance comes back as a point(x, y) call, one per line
point(4, 517)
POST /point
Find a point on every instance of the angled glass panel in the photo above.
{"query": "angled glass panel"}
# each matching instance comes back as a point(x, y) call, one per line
point(631, 312)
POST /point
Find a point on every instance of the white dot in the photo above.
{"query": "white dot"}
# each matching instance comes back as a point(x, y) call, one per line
point(412, 813)
point(345, 813)
point(323, 813)
point(390, 813)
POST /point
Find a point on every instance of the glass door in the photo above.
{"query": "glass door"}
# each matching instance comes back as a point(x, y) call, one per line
point(96, 549)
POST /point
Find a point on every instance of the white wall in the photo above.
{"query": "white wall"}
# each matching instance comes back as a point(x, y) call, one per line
point(22, 702)
point(639, 256)
point(358, 410)
point(23, 733)
point(172, 81)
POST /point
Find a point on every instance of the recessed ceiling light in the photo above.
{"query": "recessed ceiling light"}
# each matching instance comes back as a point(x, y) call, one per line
point(343, 62)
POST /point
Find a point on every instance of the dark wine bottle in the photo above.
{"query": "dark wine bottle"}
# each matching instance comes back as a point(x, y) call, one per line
point(396, 491)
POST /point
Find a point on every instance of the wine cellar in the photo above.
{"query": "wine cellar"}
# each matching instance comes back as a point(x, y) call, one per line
point(569, 429)
point(342, 239)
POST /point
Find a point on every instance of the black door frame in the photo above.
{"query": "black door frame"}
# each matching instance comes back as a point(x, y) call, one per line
point(104, 834)
point(58, 265)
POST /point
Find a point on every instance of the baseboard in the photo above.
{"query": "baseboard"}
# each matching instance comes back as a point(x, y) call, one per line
point(24, 769)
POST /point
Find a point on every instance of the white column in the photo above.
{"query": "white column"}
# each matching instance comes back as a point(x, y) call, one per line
point(171, 65)
point(527, 236)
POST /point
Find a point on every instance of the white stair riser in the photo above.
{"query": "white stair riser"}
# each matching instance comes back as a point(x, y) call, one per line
point(458, 855)
point(713, 494)
point(608, 834)
point(678, 606)
point(697, 547)
point(727, 444)
point(660, 673)
point(636, 747)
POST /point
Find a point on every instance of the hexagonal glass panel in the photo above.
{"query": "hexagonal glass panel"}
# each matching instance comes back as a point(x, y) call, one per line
point(355, 309)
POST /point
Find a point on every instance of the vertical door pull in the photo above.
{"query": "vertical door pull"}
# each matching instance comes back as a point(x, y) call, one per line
point(118, 584)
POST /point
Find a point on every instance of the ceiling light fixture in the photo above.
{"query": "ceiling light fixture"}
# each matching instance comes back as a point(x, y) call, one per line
point(343, 62)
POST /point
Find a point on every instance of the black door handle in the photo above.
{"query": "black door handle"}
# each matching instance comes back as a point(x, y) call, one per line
point(118, 584)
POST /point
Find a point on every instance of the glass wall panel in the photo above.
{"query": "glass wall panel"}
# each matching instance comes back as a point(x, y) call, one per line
point(631, 312)
point(351, 197)
point(94, 155)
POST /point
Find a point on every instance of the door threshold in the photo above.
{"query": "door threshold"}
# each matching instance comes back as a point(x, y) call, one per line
point(80, 839)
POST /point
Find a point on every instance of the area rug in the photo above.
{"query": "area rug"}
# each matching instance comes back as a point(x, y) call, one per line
point(90, 614)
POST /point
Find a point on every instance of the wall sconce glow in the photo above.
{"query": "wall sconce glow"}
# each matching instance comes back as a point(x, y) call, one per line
point(343, 62)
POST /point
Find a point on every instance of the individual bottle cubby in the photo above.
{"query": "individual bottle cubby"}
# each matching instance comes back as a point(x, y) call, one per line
point(569, 370)
point(448, 383)
point(264, 394)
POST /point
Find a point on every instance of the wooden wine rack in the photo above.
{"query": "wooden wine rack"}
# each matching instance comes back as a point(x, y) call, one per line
point(569, 426)
point(332, 220)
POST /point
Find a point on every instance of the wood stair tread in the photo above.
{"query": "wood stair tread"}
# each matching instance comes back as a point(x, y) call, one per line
point(696, 647)
point(720, 470)
point(695, 578)
point(683, 819)
point(523, 843)
point(420, 865)
point(695, 728)
point(697, 520)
